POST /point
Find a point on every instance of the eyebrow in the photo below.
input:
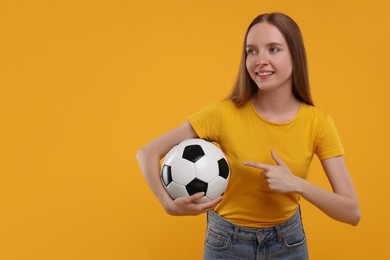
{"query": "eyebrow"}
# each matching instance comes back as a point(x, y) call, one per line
point(268, 44)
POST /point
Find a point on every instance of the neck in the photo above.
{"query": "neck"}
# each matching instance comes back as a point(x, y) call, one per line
point(276, 107)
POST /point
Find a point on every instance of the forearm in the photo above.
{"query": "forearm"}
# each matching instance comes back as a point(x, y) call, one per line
point(149, 157)
point(344, 208)
point(341, 204)
point(150, 168)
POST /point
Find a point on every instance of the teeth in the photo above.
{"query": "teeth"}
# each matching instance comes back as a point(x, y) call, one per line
point(264, 73)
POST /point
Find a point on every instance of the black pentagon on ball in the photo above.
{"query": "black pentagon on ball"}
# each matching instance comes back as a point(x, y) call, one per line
point(166, 171)
point(223, 168)
point(193, 153)
point(195, 186)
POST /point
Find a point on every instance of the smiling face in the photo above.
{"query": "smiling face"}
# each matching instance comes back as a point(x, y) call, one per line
point(268, 60)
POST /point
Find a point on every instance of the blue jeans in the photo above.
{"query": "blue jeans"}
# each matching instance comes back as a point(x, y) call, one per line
point(225, 240)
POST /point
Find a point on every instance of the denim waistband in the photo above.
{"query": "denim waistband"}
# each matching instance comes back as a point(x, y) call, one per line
point(247, 233)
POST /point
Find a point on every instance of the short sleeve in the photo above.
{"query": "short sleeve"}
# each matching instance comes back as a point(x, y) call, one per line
point(328, 142)
point(206, 122)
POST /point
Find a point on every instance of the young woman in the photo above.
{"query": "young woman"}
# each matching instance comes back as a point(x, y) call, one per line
point(269, 130)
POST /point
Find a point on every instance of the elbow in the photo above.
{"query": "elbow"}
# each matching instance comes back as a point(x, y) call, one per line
point(144, 156)
point(140, 155)
point(349, 214)
point(355, 217)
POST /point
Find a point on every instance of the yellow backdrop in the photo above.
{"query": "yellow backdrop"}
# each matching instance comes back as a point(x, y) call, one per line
point(84, 84)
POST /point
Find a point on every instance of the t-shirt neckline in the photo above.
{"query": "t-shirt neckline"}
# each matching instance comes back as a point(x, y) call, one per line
point(277, 123)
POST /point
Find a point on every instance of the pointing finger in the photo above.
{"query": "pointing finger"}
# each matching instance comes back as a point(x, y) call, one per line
point(277, 159)
point(262, 166)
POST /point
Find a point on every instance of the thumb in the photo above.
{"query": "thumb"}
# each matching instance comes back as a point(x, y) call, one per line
point(194, 197)
point(277, 159)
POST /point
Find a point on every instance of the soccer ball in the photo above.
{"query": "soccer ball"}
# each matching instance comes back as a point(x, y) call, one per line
point(195, 165)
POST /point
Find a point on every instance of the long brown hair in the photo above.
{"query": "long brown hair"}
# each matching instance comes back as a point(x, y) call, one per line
point(245, 87)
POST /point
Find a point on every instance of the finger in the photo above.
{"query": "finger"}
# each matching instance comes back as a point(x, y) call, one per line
point(217, 200)
point(208, 209)
point(211, 204)
point(194, 197)
point(277, 159)
point(262, 166)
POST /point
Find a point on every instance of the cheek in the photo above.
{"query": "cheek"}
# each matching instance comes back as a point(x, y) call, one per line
point(285, 65)
point(289, 65)
point(290, 70)
point(249, 65)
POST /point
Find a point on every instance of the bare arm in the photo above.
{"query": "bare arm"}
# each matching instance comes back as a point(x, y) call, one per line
point(341, 204)
point(149, 157)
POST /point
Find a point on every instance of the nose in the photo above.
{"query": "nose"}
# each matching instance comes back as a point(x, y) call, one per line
point(262, 58)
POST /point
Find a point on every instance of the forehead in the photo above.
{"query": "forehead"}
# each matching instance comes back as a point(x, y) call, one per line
point(264, 33)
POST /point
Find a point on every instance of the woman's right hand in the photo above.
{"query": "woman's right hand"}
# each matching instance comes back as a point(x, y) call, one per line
point(187, 206)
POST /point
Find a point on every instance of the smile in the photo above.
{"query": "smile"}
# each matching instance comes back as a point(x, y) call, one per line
point(264, 73)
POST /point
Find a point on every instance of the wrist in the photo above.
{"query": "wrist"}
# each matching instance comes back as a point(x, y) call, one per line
point(300, 186)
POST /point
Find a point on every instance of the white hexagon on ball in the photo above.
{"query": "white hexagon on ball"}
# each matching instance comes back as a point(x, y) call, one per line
point(176, 190)
point(183, 172)
point(206, 169)
point(213, 151)
point(216, 188)
point(173, 155)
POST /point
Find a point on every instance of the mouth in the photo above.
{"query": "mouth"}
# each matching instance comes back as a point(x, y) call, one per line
point(264, 74)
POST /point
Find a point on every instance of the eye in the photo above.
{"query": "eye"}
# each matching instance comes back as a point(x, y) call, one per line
point(274, 49)
point(250, 51)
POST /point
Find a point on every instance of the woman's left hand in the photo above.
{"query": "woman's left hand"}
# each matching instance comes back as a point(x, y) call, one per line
point(278, 177)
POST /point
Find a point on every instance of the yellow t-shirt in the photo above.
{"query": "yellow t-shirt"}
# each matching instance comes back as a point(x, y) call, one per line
point(244, 135)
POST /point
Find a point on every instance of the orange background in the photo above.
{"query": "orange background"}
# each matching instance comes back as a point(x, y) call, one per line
point(84, 84)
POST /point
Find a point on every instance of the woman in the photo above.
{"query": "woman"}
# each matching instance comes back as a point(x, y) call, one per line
point(269, 130)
